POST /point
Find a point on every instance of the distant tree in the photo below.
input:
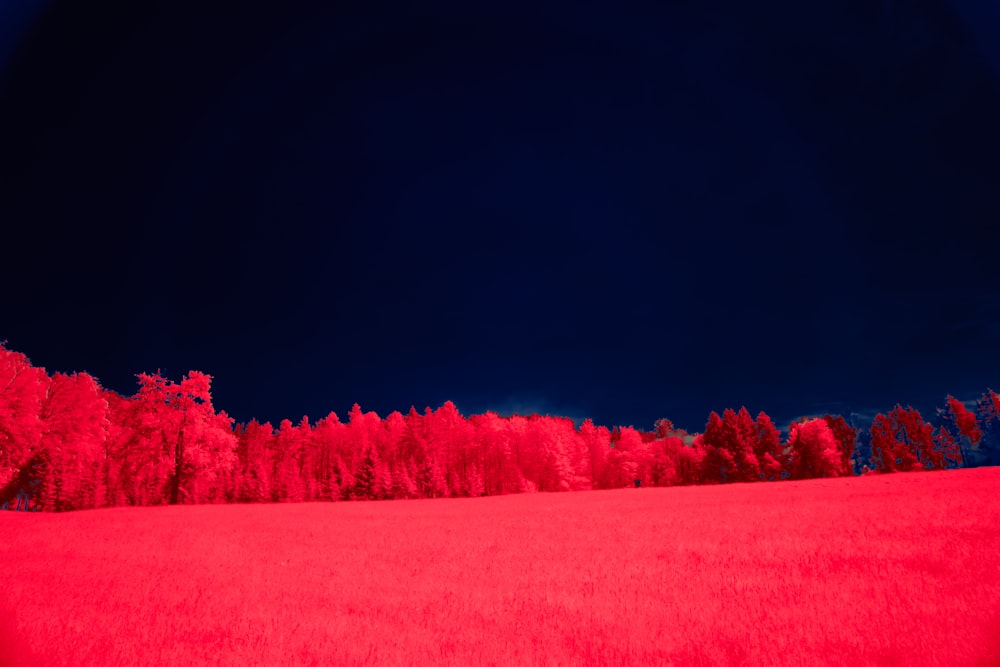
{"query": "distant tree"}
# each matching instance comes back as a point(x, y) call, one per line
point(390, 447)
point(288, 485)
point(343, 479)
point(902, 441)
point(814, 451)
point(448, 440)
point(255, 451)
point(730, 442)
point(771, 456)
point(663, 428)
point(327, 436)
point(629, 459)
point(987, 450)
point(956, 433)
point(430, 479)
point(965, 419)
point(195, 447)
point(948, 448)
point(690, 462)
point(919, 437)
point(667, 463)
point(121, 468)
point(22, 392)
point(595, 439)
point(718, 463)
point(846, 437)
point(364, 479)
point(75, 415)
point(142, 439)
point(742, 435)
point(403, 485)
point(863, 453)
point(383, 480)
point(494, 449)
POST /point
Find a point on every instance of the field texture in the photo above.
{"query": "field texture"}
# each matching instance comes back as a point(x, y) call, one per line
point(884, 570)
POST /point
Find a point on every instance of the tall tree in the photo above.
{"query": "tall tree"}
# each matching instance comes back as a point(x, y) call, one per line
point(902, 441)
point(814, 451)
point(987, 450)
point(958, 432)
point(288, 486)
point(255, 450)
point(22, 392)
point(596, 440)
point(199, 445)
point(846, 437)
point(76, 426)
point(326, 436)
point(364, 478)
point(742, 432)
point(719, 462)
point(771, 456)
point(663, 428)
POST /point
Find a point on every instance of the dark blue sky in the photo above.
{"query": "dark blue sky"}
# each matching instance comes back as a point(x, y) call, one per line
point(599, 210)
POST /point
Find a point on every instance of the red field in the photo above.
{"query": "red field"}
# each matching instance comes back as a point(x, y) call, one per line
point(886, 570)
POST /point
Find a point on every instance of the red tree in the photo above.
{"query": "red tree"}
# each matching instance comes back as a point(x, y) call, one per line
point(846, 437)
point(327, 436)
point(730, 442)
point(22, 392)
point(814, 451)
point(903, 441)
point(255, 449)
point(191, 450)
point(743, 432)
point(291, 440)
point(76, 427)
point(965, 420)
point(595, 439)
point(771, 455)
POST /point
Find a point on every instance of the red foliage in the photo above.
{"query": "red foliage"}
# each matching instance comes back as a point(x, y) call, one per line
point(75, 414)
point(815, 452)
point(255, 449)
point(846, 437)
point(22, 393)
point(663, 428)
point(965, 419)
point(947, 447)
point(771, 455)
point(166, 444)
point(903, 441)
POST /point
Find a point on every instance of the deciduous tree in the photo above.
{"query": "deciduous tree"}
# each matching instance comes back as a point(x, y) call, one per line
point(22, 393)
point(75, 415)
point(772, 457)
point(846, 437)
point(814, 451)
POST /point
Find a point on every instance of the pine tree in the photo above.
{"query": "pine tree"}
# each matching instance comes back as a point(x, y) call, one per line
point(364, 478)
point(403, 485)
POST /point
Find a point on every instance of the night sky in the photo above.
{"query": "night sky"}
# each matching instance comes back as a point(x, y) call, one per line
point(598, 210)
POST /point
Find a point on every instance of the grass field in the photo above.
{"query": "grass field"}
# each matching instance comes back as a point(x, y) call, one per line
point(886, 570)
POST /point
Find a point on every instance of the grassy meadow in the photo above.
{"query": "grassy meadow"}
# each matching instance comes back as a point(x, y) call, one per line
point(884, 570)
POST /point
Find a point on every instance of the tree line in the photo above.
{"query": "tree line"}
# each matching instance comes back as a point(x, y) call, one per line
point(77, 445)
